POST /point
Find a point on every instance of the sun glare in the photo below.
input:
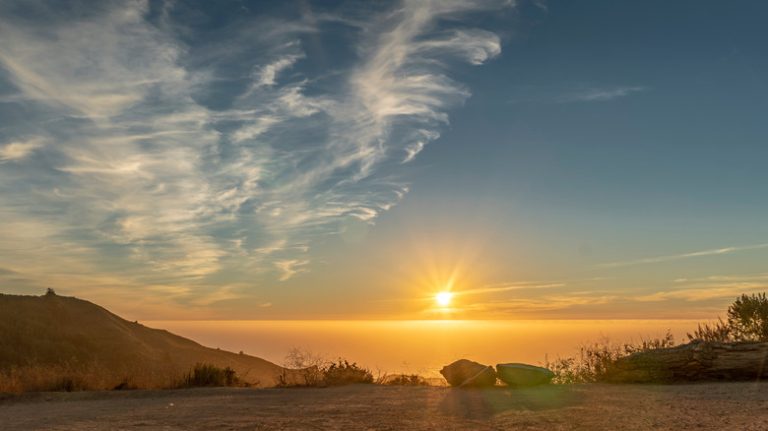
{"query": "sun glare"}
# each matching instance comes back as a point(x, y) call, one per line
point(444, 298)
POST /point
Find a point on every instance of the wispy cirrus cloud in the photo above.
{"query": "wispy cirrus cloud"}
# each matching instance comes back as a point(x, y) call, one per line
point(509, 287)
point(724, 278)
point(265, 76)
point(546, 303)
point(712, 287)
point(689, 255)
point(705, 291)
point(17, 150)
point(205, 161)
point(600, 94)
point(290, 267)
point(579, 94)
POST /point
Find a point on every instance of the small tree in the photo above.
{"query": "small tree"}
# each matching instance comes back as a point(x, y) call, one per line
point(309, 364)
point(748, 317)
point(50, 292)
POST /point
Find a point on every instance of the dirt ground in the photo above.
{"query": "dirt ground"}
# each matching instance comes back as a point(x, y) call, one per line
point(715, 406)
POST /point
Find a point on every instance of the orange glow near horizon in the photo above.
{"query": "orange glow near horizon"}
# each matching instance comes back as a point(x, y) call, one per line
point(423, 345)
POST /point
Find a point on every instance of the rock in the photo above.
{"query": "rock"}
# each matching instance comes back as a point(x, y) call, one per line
point(469, 374)
point(523, 374)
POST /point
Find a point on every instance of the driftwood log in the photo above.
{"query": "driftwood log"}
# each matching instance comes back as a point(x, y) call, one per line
point(697, 361)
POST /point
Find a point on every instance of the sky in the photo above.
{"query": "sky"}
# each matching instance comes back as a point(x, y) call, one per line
point(350, 159)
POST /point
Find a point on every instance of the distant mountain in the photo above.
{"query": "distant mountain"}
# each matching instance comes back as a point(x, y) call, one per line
point(52, 337)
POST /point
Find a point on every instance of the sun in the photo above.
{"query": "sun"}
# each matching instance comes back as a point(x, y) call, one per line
point(443, 299)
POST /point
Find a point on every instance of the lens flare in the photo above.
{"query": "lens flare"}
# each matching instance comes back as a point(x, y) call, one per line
point(443, 299)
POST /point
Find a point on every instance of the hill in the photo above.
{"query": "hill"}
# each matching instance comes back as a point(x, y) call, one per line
point(49, 341)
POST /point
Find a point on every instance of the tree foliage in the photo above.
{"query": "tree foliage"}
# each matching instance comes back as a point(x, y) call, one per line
point(748, 317)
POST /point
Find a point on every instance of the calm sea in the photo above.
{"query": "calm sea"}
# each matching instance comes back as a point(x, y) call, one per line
point(422, 346)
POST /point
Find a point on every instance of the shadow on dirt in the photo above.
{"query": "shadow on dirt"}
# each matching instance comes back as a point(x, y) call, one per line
point(484, 403)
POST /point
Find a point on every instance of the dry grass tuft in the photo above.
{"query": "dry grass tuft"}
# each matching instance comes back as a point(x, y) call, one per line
point(207, 375)
point(596, 359)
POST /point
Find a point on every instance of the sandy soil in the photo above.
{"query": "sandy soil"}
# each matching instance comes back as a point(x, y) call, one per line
point(719, 406)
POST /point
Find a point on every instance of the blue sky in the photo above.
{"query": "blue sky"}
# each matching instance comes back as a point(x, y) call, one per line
point(349, 159)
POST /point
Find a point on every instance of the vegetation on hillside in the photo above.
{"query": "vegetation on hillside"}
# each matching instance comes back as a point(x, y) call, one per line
point(59, 343)
point(747, 322)
point(594, 360)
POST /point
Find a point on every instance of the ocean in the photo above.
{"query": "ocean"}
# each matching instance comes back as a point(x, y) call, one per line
point(419, 346)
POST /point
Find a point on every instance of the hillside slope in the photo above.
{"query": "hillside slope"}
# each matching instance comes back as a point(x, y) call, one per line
point(44, 337)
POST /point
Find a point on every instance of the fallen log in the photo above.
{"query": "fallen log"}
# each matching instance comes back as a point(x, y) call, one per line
point(697, 361)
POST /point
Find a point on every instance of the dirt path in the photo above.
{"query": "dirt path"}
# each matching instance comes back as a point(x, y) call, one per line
point(720, 406)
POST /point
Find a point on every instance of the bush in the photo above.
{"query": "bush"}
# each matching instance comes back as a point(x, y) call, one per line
point(344, 373)
point(315, 371)
point(719, 332)
point(567, 371)
point(209, 375)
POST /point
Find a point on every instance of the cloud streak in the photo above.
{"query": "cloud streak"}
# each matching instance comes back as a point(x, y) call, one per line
point(601, 94)
point(547, 303)
point(674, 257)
point(509, 287)
point(705, 291)
point(18, 150)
